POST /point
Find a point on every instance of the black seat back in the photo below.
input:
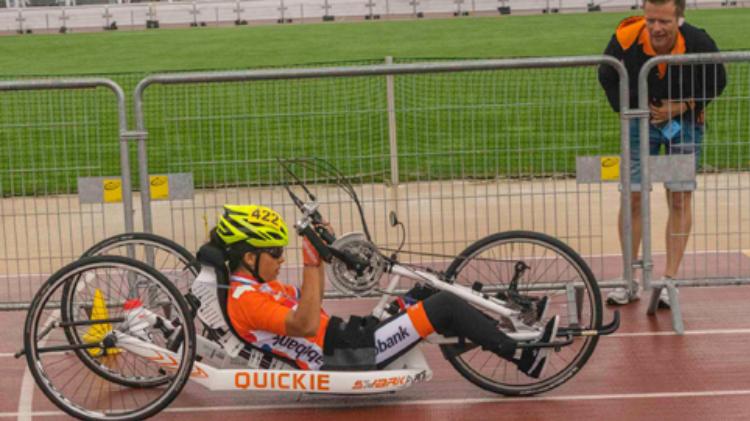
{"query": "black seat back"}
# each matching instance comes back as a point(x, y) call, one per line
point(209, 254)
point(213, 255)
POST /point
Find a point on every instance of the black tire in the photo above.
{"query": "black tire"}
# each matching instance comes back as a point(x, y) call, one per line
point(182, 264)
point(491, 259)
point(184, 261)
point(65, 378)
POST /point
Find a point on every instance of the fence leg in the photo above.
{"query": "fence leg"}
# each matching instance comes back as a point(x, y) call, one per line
point(392, 133)
point(653, 300)
point(674, 301)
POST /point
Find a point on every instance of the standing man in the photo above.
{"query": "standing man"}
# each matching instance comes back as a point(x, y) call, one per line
point(678, 97)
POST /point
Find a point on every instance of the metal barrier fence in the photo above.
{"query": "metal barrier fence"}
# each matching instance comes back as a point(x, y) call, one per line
point(482, 146)
point(436, 184)
point(52, 133)
point(459, 150)
point(718, 246)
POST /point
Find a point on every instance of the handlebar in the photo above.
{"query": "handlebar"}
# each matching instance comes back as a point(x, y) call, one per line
point(322, 240)
point(311, 227)
point(325, 235)
point(305, 229)
point(311, 216)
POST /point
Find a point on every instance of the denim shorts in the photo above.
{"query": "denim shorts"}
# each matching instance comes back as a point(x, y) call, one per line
point(687, 141)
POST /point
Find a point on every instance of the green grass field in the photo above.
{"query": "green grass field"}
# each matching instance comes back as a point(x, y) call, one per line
point(478, 125)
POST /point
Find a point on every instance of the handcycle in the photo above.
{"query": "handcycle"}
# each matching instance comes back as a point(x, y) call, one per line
point(114, 337)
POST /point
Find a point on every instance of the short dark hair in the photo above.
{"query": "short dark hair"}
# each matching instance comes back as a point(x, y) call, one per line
point(679, 5)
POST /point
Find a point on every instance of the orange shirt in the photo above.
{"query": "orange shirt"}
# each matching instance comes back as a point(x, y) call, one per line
point(258, 313)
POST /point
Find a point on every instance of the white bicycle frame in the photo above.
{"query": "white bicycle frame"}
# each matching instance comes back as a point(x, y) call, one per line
point(486, 302)
point(413, 367)
point(333, 382)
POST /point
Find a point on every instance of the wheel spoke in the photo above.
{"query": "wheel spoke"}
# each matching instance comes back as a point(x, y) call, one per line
point(68, 362)
point(491, 261)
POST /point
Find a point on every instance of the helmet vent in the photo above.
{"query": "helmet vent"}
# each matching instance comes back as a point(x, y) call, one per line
point(255, 235)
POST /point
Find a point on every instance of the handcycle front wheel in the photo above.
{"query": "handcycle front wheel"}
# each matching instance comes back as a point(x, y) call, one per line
point(543, 266)
point(99, 318)
point(164, 255)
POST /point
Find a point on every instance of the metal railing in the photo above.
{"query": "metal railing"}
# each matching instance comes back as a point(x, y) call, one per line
point(716, 252)
point(470, 160)
point(459, 149)
point(53, 133)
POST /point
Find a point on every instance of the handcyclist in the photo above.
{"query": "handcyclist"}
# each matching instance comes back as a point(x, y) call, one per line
point(290, 322)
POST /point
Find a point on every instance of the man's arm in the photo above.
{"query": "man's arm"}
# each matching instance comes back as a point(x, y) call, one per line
point(608, 76)
point(712, 80)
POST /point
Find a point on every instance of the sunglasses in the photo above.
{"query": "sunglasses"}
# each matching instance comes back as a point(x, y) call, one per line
point(275, 252)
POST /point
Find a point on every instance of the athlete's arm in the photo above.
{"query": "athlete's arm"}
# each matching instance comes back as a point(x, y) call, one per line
point(305, 320)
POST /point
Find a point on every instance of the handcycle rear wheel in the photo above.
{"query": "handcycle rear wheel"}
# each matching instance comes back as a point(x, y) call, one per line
point(554, 270)
point(55, 362)
point(165, 255)
point(168, 257)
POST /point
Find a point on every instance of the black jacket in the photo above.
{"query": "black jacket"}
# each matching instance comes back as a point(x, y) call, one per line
point(630, 44)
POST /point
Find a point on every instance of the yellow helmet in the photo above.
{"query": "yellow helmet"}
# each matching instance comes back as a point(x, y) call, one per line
point(258, 226)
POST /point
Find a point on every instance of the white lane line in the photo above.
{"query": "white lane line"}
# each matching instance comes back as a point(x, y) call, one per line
point(31, 414)
point(431, 402)
point(27, 392)
point(6, 354)
point(25, 407)
point(687, 333)
point(28, 385)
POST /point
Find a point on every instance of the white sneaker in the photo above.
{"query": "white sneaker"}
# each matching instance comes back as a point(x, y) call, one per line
point(621, 296)
point(664, 301)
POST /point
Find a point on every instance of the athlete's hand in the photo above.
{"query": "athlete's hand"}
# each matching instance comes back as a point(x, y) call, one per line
point(310, 256)
point(328, 227)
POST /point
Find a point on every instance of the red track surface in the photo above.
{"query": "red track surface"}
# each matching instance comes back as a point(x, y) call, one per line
point(644, 372)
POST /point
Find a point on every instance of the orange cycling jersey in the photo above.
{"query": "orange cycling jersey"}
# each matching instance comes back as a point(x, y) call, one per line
point(258, 313)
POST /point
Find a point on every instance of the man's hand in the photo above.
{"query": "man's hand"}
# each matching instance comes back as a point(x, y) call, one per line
point(667, 110)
